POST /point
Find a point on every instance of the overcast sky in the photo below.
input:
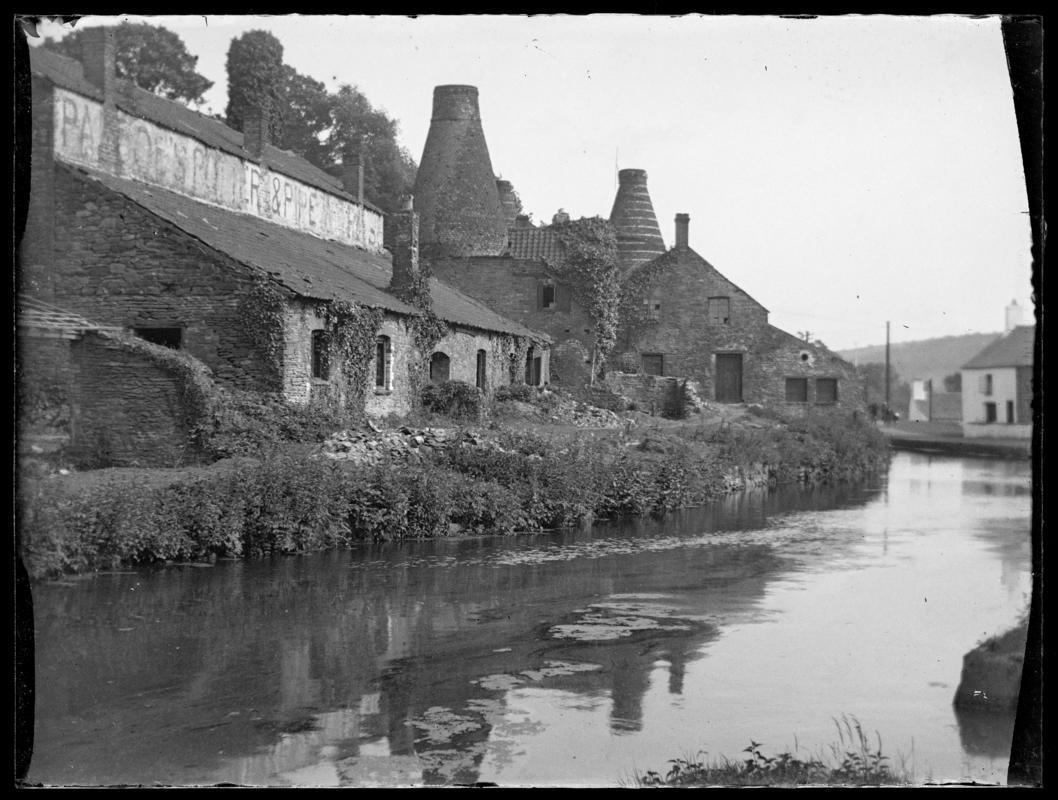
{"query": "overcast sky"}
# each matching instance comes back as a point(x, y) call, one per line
point(843, 171)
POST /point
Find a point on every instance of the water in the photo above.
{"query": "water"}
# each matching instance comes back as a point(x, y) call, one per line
point(571, 658)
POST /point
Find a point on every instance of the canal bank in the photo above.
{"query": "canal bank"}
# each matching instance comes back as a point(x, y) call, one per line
point(477, 481)
point(944, 439)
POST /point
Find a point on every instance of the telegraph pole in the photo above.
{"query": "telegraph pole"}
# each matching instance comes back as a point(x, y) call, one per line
point(887, 368)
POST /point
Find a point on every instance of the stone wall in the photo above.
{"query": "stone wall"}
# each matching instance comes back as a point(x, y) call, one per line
point(115, 263)
point(127, 410)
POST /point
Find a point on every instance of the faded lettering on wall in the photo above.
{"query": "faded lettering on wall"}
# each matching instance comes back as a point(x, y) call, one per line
point(155, 155)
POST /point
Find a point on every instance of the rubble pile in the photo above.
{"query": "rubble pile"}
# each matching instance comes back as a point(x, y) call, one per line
point(404, 443)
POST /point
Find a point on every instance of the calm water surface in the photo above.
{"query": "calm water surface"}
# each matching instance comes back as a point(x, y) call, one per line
point(572, 658)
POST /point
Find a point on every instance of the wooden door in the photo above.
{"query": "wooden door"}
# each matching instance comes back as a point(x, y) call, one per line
point(729, 377)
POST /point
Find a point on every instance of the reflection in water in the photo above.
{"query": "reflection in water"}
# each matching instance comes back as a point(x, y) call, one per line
point(985, 733)
point(521, 659)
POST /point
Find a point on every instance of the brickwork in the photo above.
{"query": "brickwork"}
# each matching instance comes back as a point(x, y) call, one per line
point(127, 410)
point(638, 235)
point(117, 264)
point(455, 187)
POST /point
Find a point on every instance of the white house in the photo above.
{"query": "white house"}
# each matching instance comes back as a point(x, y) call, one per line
point(997, 387)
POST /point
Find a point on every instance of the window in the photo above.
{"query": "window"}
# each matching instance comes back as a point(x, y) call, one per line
point(719, 310)
point(990, 412)
point(481, 365)
point(166, 337)
point(797, 390)
point(1010, 412)
point(653, 363)
point(383, 364)
point(826, 390)
point(319, 355)
point(986, 384)
point(652, 309)
point(439, 365)
point(546, 295)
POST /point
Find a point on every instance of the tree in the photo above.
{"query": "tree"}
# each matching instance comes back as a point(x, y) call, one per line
point(899, 390)
point(358, 128)
point(256, 79)
point(307, 116)
point(953, 382)
point(152, 57)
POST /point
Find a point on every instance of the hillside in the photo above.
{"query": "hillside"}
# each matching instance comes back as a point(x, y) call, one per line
point(928, 358)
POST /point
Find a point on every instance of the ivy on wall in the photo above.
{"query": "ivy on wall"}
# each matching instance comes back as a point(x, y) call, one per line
point(634, 315)
point(588, 265)
point(427, 329)
point(262, 314)
point(351, 331)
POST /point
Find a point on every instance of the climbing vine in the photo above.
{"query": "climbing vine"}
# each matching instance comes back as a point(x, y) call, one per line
point(588, 265)
point(427, 329)
point(633, 313)
point(352, 331)
point(261, 313)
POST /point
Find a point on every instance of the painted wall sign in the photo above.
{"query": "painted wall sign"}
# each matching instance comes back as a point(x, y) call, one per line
point(155, 155)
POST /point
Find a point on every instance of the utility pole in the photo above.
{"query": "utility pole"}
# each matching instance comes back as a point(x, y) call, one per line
point(887, 367)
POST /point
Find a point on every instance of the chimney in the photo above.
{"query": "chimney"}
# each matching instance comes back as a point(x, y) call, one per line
point(1014, 316)
point(405, 248)
point(638, 235)
point(353, 177)
point(560, 218)
point(522, 221)
point(255, 133)
point(683, 221)
point(455, 186)
point(97, 59)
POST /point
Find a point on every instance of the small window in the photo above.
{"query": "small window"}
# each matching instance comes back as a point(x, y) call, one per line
point(797, 390)
point(826, 390)
point(986, 384)
point(1010, 412)
point(166, 337)
point(990, 412)
point(383, 363)
point(652, 309)
point(480, 372)
point(439, 366)
point(653, 363)
point(719, 310)
point(319, 355)
point(547, 295)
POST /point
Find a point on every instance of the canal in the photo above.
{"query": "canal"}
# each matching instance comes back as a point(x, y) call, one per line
point(571, 658)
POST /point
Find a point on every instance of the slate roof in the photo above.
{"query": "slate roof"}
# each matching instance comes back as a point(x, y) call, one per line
point(68, 73)
point(305, 264)
point(679, 256)
point(533, 244)
point(37, 315)
point(1012, 350)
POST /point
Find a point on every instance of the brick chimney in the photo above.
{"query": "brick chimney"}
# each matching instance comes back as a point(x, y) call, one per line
point(98, 64)
point(638, 235)
point(560, 217)
point(97, 59)
point(455, 186)
point(255, 134)
point(353, 177)
point(405, 248)
point(683, 221)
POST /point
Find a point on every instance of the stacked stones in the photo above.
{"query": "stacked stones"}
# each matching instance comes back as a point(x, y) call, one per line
point(404, 444)
point(638, 234)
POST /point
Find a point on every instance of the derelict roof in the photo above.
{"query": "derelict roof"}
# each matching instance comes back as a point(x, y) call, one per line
point(68, 73)
point(305, 264)
point(533, 244)
point(1012, 350)
point(683, 255)
point(37, 315)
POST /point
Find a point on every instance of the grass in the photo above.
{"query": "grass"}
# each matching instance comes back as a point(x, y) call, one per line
point(854, 760)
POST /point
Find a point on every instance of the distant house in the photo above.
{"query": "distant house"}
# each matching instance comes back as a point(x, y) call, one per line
point(997, 387)
point(929, 405)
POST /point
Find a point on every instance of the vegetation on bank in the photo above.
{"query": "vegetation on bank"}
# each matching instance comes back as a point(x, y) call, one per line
point(285, 500)
point(852, 761)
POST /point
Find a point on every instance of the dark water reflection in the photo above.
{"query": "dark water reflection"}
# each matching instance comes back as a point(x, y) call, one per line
point(558, 658)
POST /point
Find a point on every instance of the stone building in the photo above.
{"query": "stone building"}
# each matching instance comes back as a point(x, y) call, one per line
point(689, 320)
point(997, 387)
point(148, 216)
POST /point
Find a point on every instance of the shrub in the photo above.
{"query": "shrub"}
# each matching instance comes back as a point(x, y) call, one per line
point(454, 399)
point(516, 391)
point(677, 403)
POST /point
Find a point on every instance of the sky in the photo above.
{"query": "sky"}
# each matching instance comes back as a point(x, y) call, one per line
point(843, 171)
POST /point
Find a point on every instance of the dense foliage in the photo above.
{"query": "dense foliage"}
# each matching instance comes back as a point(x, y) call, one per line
point(152, 57)
point(454, 399)
point(255, 81)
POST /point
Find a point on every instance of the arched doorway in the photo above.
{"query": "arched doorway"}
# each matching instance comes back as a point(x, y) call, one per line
point(439, 366)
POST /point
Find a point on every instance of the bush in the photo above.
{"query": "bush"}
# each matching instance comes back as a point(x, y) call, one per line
point(454, 399)
point(677, 403)
point(517, 391)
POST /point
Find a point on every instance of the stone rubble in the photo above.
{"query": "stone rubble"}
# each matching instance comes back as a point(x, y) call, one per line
point(403, 443)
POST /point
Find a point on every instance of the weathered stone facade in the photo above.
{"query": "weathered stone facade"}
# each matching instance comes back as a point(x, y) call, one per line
point(128, 410)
